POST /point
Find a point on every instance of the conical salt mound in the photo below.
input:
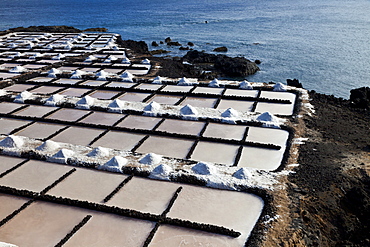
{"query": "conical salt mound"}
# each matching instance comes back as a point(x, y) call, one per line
point(99, 152)
point(145, 61)
point(102, 73)
point(184, 82)
point(151, 159)
point(214, 83)
point(152, 107)
point(161, 171)
point(48, 146)
point(188, 110)
point(115, 164)
point(266, 116)
point(2, 92)
point(230, 113)
point(157, 80)
point(54, 99)
point(203, 168)
point(54, 71)
point(279, 87)
point(116, 104)
point(126, 61)
point(20, 98)
point(17, 69)
point(86, 101)
point(12, 142)
point(77, 74)
point(64, 154)
point(127, 76)
point(245, 85)
point(242, 173)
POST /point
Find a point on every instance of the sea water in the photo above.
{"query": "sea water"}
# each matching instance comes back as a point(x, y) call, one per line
point(324, 44)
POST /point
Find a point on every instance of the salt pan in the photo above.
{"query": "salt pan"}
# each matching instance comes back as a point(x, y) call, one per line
point(12, 142)
point(151, 159)
point(188, 110)
point(203, 168)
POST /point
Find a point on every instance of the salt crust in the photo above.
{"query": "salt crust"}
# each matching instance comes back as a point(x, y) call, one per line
point(151, 159)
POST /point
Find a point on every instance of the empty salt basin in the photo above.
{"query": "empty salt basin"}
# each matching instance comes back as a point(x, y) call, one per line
point(65, 114)
point(168, 235)
point(242, 106)
point(275, 108)
point(7, 75)
point(145, 195)
point(241, 92)
point(93, 83)
point(215, 152)
point(103, 94)
point(77, 135)
point(120, 85)
point(102, 118)
point(46, 90)
point(88, 185)
point(41, 224)
point(9, 204)
point(67, 81)
point(181, 126)
point(170, 147)
point(207, 90)
point(34, 111)
point(177, 89)
point(8, 125)
point(7, 162)
point(278, 95)
point(268, 136)
point(39, 130)
point(111, 230)
point(139, 122)
point(119, 140)
point(89, 69)
point(41, 79)
point(261, 158)
point(18, 87)
point(199, 102)
point(233, 210)
point(165, 99)
point(75, 92)
point(6, 107)
point(149, 86)
point(225, 131)
point(34, 175)
point(134, 97)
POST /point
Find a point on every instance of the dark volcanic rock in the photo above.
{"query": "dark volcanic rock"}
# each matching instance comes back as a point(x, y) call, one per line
point(173, 43)
point(168, 39)
point(154, 43)
point(294, 83)
point(137, 46)
point(96, 29)
point(220, 49)
point(360, 97)
point(51, 29)
point(227, 66)
point(190, 44)
point(182, 48)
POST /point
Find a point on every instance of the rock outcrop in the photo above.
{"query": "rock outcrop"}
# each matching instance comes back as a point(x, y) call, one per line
point(360, 97)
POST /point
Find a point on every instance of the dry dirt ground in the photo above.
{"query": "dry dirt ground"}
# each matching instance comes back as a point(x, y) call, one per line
point(327, 198)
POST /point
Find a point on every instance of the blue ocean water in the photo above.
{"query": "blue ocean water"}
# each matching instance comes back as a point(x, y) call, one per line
point(324, 44)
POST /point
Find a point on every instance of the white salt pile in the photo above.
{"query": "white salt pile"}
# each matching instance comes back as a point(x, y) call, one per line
point(126, 61)
point(58, 57)
point(214, 83)
point(115, 164)
point(203, 168)
point(102, 75)
point(266, 117)
point(85, 102)
point(184, 82)
point(157, 80)
point(50, 47)
point(146, 61)
point(242, 173)
point(245, 85)
point(20, 98)
point(2, 244)
point(162, 171)
point(230, 113)
point(279, 87)
point(54, 71)
point(127, 76)
point(62, 155)
point(48, 146)
point(116, 105)
point(12, 141)
point(54, 100)
point(77, 74)
point(152, 107)
point(151, 159)
point(99, 152)
point(17, 69)
point(2, 92)
point(89, 59)
point(188, 110)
